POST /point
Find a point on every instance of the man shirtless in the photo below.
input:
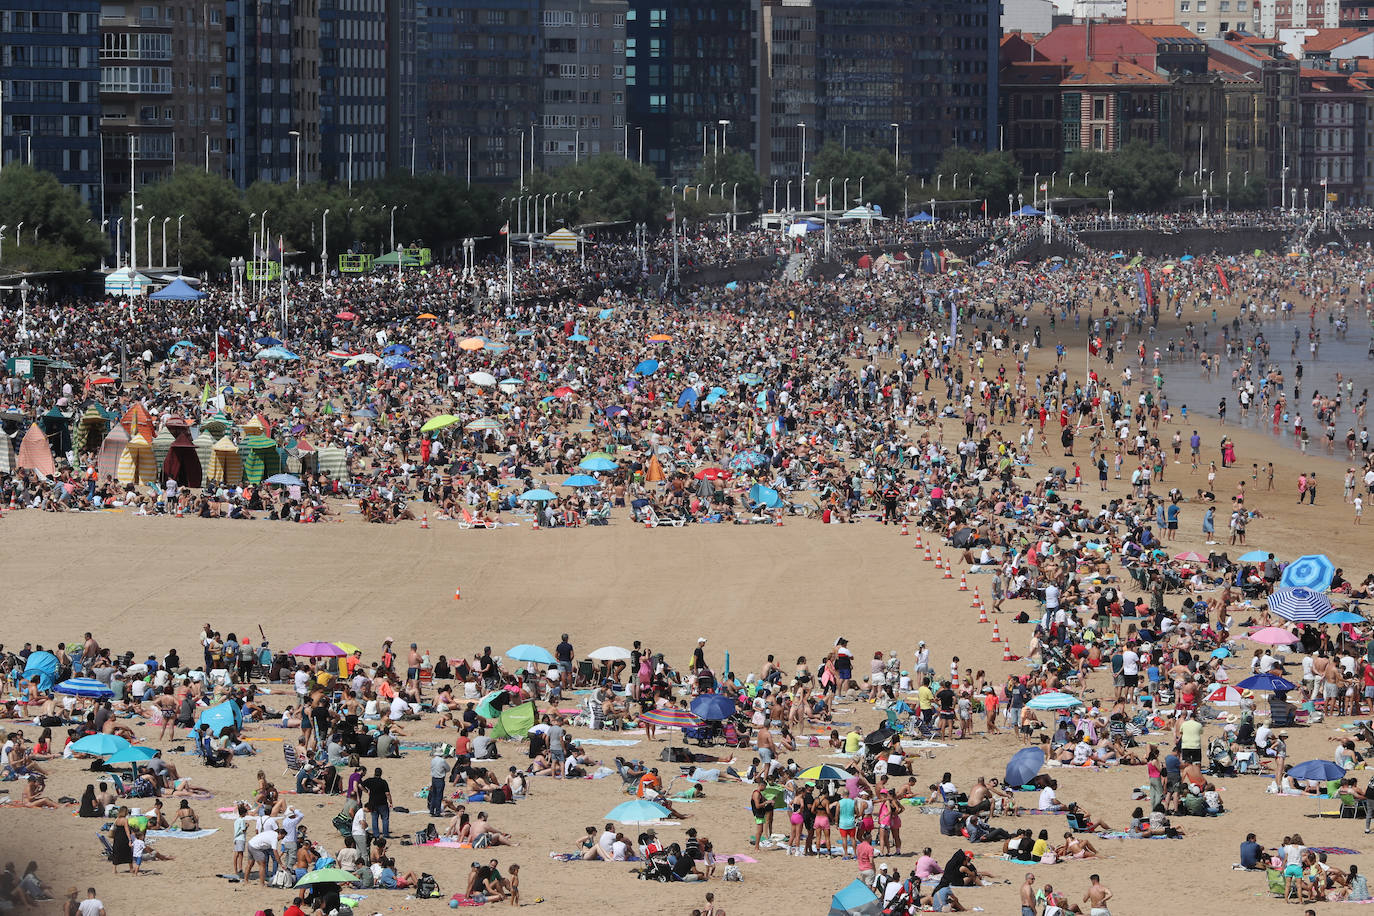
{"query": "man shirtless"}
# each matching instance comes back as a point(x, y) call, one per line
point(1028, 895)
point(1097, 897)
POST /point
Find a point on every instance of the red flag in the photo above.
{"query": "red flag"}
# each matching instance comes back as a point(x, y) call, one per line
point(222, 344)
point(1222, 275)
point(673, 215)
point(505, 230)
point(985, 206)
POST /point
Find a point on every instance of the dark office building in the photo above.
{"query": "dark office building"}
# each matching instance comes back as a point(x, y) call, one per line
point(50, 80)
point(353, 90)
point(689, 65)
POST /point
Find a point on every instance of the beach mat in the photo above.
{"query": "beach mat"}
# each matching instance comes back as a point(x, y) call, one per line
point(175, 834)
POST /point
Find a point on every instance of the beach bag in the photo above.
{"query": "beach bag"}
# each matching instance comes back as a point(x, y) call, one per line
point(427, 887)
point(445, 750)
point(426, 835)
point(284, 877)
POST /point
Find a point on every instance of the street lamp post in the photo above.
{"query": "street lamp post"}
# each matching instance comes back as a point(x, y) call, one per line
point(393, 235)
point(324, 251)
point(730, 223)
point(179, 219)
point(723, 125)
point(802, 190)
point(296, 139)
point(1071, 174)
point(846, 195)
point(119, 239)
point(1111, 217)
point(896, 145)
point(24, 287)
point(775, 195)
point(165, 221)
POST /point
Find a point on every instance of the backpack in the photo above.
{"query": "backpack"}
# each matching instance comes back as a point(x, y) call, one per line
point(427, 887)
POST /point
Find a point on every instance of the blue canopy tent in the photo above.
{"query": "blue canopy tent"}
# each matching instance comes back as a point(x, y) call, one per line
point(856, 900)
point(42, 665)
point(178, 291)
point(225, 715)
point(764, 496)
point(922, 217)
point(1028, 210)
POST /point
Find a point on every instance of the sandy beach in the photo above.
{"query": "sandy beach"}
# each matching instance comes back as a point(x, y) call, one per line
point(150, 583)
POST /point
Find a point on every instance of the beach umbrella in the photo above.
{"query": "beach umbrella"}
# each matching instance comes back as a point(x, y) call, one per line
point(525, 332)
point(484, 423)
point(597, 464)
point(610, 654)
point(563, 391)
point(367, 413)
point(395, 348)
point(764, 496)
point(277, 353)
point(1317, 770)
point(857, 899)
point(1023, 766)
point(646, 367)
point(183, 345)
point(712, 473)
point(317, 650)
point(362, 358)
point(345, 316)
point(579, 338)
point(823, 771)
point(1224, 696)
point(395, 361)
point(747, 459)
point(537, 496)
point(41, 665)
point(615, 410)
point(285, 480)
point(714, 707)
point(441, 421)
point(638, 811)
point(1254, 556)
point(87, 687)
point(671, 717)
point(715, 394)
point(751, 378)
point(132, 754)
point(1189, 556)
point(527, 653)
point(470, 343)
point(1313, 571)
point(581, 480)
point(1273, 636)
point(1054, 701)
point(659, 338)
point(326, 876)
point(426, 316)
point(1342, 617)
point(1299, 604)
point(879, 736)
point(1267, 682)
point(267, 342)
point(482, 379)
point(1221, 652)
point(100, 745)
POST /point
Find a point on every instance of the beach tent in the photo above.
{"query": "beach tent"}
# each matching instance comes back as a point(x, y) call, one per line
point(178, 291)
point(182, 462)
point(856, 900)
point(932, 262)
point(161, 445)
point(922, 217)
point(300, 458)
point(515, 721)
point(58, 429)
point(89, 429)
point(216, 424)
point(654, 473)
point(261, 458)
point(254, 426)
point(1028, 210)
point(332, 460)
point(205, 450)
point(7, 455)
point(225, 464)
point(137, 421)
point(35, 454)
point(124, 282)
point(136, 464)
point(42, 665)
point(562, 240)
point(111, 450)
point(225, 715)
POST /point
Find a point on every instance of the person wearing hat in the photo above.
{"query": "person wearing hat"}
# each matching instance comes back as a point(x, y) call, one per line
point(438, 775)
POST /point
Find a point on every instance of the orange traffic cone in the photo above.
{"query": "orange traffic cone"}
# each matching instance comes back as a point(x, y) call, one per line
point(457, 594)
point(977, 604)
point(996, 631)
point(926, 559)
point(777, 520)
point(424, 520)
point(1006, 652)
point(948, 574)
point(918, 539)
point(535, 523)
point(963, 582)
point(647, 523)
point(905, 532)
point(954, 680)
point(983, 615)
point(180, 512)
point(939, 561)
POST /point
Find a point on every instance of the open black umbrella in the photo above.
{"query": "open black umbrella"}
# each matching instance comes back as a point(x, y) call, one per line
point(880, 737)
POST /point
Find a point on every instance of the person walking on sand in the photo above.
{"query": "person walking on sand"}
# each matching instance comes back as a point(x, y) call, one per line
point(1097, 897)
point(1028, 895)
point(1359, 508)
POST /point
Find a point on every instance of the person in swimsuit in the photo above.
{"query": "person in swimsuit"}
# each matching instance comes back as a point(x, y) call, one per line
point(822, 809)
point(844, 809)
point(794, 840)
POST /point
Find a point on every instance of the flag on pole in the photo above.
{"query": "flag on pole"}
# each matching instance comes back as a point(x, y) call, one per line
point(821, 201)
point(672, 215)
point(505, 230)
point(222, 344)
point(1044, 187)
point(205, 394)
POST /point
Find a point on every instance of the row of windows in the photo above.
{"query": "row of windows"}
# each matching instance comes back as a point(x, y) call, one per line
point(580, 71)
point(584, 97)
point(44, 56)
point(136, 79)
point(50, 91)
point(572, 121)
point(49, 23)
point(136, 45)
point(53, 125)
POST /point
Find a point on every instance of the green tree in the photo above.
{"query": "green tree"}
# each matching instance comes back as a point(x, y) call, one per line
point(1141, 176)
point(967, 175)
point(214, 224)
point(608, 188)
point(726, 170)
point(58, 234)
point(874, 178)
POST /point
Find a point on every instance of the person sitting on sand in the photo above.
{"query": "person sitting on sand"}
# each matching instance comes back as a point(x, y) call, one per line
point(484, 834)
point(1075, 847)
point(33, 796)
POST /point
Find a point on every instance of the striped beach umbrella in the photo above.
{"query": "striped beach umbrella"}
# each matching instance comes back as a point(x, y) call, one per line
point(671, 717)
point(1299, 604)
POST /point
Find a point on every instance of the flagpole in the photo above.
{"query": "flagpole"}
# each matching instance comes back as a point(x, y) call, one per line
point(510, 280)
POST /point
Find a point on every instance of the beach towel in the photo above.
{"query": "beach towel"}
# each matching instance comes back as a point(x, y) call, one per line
point(1335, 850)
point(1123, 835)
point(175, 834)
point(605, 742)
point(448, 844)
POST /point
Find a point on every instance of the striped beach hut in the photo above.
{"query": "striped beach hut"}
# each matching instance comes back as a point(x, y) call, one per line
point(89, 429)
point(225, 464)
point(161, 445)
point(35, 453)
point(136, 464)
point(182, 462)
point(261, 458)
point(205, 450)
point(137, 422)
point(8, 456)
point(111, 450)
point(334, 460)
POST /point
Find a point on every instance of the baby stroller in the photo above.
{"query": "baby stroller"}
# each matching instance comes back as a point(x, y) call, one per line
point(1223, 762)
point(657, 868)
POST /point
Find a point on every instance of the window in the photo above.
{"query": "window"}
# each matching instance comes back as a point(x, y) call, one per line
point(1201, 26)
point(657, 18)
point(1224, 6)
point(1099, 108)
point(620, 20)
point(658, 104)
point(551, 18)
point(655, 47)
point(620, 71)
point(1099, 138)
point(1202, 6)
point(495, 17)
point(1185, 6)
point(631, 47)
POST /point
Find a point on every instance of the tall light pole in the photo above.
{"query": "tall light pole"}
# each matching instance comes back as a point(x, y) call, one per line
point(179, 219)
point(802, 125)
point(896, 145)
point(24, 287)
point(165, 221)
point(393, 230)
point(723, 125)
point(296, 138)
point(1111, 217)
point(324, 250)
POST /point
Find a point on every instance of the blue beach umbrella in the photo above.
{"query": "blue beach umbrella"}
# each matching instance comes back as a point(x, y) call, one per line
point(579, 338)
point(1299, 604)
point(533, 654)
point(132, 754)
point(688, 396)
point(747, 459)
point(1313, 571)
point(1054, 701)
point(638, 811)
point(1024, 765)
point(1267, 682)
point(1254, 556)
point(857, 899)
point(1342, 617)
point(87, 687)
point(225, 715)
point(765, 496)
point(647, 367)
point(714, 707)
point(536, 496)
point(615, 410)
point(41, 665)
point(524, 332)
point(396, 348)
point(581, 480)
point(715, 394)
point(285, 480)
point(395, 361)
point(1320, 770)
point(267, 342)
point(100, 745)
point(751, 378)
point(597, 464)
